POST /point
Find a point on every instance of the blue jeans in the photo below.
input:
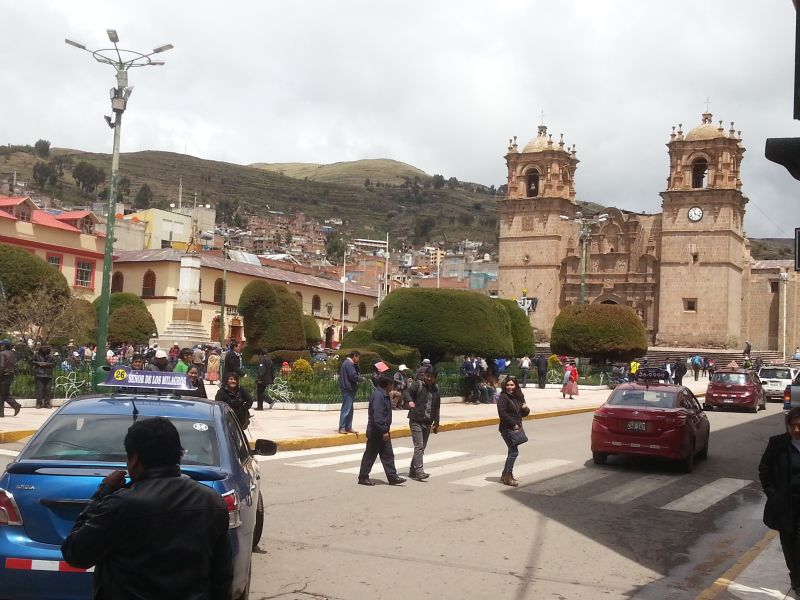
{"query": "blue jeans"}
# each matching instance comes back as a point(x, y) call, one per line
point(346, 414)
point(513, 452)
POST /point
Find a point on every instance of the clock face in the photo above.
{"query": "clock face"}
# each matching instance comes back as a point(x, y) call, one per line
point(695, 213)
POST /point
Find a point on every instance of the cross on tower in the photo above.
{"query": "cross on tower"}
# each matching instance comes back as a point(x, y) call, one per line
point(708, 102)
point(541, 118)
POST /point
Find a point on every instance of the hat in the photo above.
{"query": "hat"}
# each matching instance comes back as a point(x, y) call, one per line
point(75, 354)
point(402, 368)
point(426, 361)
point(109, 354)
point(285, 364)
point(161, 354)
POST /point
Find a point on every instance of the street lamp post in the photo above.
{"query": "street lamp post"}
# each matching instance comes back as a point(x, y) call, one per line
point(344, 288)
point(120, 60)
point(225, 245)
point(585, 224)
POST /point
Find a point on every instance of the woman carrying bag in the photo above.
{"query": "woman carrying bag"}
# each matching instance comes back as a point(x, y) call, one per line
point(511, 408)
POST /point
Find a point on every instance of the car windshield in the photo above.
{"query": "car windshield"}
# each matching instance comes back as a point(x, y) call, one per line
point(775, 373)
point(642, 398)
point(99, 438)
point(729, 378)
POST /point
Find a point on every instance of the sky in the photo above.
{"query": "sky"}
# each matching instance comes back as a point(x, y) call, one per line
point(440, 85)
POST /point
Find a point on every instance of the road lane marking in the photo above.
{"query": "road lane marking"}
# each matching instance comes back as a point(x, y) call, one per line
point(480, 461)
point(310, 452)
point(492, 478)
point(565, 483)
point(707, 495)
point(429, 458)
point(337, 460)
point(5, 452)
point(636, 488)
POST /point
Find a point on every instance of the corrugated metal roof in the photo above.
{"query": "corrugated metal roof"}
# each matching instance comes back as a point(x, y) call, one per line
point(773, 264)
point(216, 262)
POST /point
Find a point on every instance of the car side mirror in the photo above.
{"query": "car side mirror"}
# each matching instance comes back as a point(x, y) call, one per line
point(265, 448)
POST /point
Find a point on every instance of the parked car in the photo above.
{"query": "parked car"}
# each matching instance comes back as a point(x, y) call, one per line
point(774, 380)
point(653, 419)
point(45, 488)
point(735, 388)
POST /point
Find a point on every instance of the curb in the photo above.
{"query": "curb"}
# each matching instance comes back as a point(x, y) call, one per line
point(721, 583)
point(401, 432)
point(7, 437)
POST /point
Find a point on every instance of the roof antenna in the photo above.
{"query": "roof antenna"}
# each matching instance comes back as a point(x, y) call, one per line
point(135, 410)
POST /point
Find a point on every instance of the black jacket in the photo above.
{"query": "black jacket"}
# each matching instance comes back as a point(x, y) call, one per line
point(509, 409)
point(379, 419)
point(43, 365)
point(198, 392)
point(239, 400)
point(163, 536)
point(266, 374)
point(422, 396)
point(233, 364)
point(8, 361)
point(774, 471)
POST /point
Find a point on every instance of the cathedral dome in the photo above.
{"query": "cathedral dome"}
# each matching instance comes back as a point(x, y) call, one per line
point(706, 130)
point(540, 143)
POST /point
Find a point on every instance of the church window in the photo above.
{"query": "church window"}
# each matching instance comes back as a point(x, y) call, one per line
point(218, 290)
point(149, 284)
point(533, 184)
point(774, 287)
point(695, 258)
point(699, 170)
point(690, 304)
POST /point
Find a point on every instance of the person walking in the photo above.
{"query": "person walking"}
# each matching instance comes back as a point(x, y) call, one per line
point(541, 370)
point(570, 386)
point(747, 349)
point(379, 439)
point(265, 376)
point(238, 398)
point(424, 402)
point(423, 368)
point(199, 359)
point(779, 472)
point(162, 535)
point(348, 385)
point(511, 408)
point(185, 358)
point(43, 364)
point(212, 370)
point(233, 362)
point(471, 373)
point(525, 368)
point(680, 370)
point(8, 362)
point(400, 385)
point(697, 362)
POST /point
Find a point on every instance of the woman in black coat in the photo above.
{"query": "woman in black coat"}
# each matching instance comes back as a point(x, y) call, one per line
point(779, 472)
point(237, 398)
point(511, 408)
point(197, 381)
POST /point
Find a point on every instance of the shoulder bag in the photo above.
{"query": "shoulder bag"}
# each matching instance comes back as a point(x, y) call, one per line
point(518, 436)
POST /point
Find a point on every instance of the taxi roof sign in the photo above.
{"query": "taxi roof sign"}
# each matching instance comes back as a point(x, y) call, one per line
point(651, 374)
point(123, 376)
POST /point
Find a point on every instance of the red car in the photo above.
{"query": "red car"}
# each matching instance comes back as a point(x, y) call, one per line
point(735, 388)
point(653, 420)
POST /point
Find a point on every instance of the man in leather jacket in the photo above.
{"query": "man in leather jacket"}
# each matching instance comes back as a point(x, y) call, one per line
point(424, 403)
point(160, 536)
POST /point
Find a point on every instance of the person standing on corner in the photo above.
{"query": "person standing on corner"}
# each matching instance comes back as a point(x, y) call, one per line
point(8, 362)
point(162, 535)
point(348, 385)
point(779, 472)
point(379, 440)
point(541, 370)
point(264, 378)
point(43, 376)
point(511, 408)
point(424, 403)
point(233, 362)
point(525, 368)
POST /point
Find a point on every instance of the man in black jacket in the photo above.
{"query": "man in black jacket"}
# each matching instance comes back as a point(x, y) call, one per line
point(379, 440)
point(233, 362)
point(160, 536)
point(424, 402)
point(8, 361)
point(43, 364)
point(541, 370)
point(264, 379)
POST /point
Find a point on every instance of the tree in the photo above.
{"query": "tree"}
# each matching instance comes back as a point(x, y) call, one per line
point(131, 324)
point(311, 331)
point(422, 227)
point(87, 176)
point(21, 272)
point(44, 174)
point(334, 248)
point(361, 338)
point(272, 317)
point(521, 330)
point(437, 322)
point(42, 148)
point(47, 316)
point(123, 188)
point(452, 183)
point(599, 331)
point(437, 181)
point(119, 300)
point(143, 197)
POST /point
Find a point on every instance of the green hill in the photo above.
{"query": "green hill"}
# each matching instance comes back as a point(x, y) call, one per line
point(379, 170)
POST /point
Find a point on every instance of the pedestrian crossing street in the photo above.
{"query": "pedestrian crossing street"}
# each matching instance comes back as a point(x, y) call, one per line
point(548, 477)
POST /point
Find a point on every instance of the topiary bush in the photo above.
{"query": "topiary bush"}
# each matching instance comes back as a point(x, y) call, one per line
point(22, 272)
point(301, 370)
point(599, 331)
point(280, 356)
point(311, 331)
point(273, 320)
point(521, 330)
point(132, 325)
point(119, 300)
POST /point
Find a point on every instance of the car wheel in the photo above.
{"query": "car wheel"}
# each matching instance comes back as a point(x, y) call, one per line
point(703, 454)
point(259, 527)
point(599, 458)
point(763, 405)
point(707, 407)
point(687, 464)
point(754, 409)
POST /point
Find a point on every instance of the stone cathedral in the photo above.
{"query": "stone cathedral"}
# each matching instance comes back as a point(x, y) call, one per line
point(686, 271)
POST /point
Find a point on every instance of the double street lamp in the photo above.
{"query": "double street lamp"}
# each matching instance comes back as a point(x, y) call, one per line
point(585, 224)
point(344, 286)
point(120, 60)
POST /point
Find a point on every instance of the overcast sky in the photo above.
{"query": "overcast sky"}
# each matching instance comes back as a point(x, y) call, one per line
point(441, 85)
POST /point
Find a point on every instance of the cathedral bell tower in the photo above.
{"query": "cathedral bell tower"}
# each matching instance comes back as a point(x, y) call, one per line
point(702, 238)
point(533, 237)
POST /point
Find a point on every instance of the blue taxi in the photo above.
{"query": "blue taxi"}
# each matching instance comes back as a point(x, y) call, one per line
point(51, 481)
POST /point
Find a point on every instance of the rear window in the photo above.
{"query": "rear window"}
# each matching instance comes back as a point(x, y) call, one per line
point(729, 378)
point(99, 438)
point(775, 373)
point(644, 398)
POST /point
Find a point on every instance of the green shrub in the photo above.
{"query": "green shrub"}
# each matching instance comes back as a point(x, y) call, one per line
point(357, 338)
point(521, 330)
point(280, 356)
point(119, 300)
point(272, 317)
point(599, 331)
point(301, 370)
point(22, 272)
point(132, 325)
point(311, 331)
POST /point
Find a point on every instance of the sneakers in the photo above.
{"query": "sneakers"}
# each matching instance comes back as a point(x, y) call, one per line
point(421, 476)
point(397, 480)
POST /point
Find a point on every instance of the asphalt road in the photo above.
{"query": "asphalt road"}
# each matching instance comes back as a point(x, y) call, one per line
point(630, 529)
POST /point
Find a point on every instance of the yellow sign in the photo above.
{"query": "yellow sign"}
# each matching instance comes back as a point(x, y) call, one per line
point(120, 374)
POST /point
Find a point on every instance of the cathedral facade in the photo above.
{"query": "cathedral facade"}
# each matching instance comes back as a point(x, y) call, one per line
point(686, 271)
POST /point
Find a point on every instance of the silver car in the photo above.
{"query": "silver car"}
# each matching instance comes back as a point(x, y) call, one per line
point(775, 378)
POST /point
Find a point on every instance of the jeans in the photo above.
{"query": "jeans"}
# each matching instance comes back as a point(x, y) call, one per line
point(513, 452)
point(346, 414)
point(377, 446)
point(43, 387)
point(419, 434)
point(525, 377)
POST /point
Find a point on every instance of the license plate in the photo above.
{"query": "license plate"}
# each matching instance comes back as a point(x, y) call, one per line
point(727, 400)
point(637, 425)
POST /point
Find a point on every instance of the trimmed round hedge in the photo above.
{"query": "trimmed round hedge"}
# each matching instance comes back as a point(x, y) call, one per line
point(521, 330)
point(22, 272)
point(599, 331)
point(273, 319)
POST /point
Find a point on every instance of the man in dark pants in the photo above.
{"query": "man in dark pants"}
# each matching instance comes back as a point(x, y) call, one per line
point(43, 376)
point(162, 535)
point(264, 379)
point(8, 361)
point(379, 441)
point(233, 362)
point(424, 403)
point(541, 370)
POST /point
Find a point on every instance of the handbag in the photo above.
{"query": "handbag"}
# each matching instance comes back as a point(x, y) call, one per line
point(518, 436)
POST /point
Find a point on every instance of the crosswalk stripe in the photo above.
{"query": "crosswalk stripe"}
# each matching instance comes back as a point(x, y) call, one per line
point(492, 478)
point(707, 495)
point(636, 488)
point(337, 460)
point(480, 461)
point(565, 483)
point(310, 452)
point(429, 458)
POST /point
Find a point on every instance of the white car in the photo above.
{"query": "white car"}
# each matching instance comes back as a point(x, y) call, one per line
point(775, 378)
